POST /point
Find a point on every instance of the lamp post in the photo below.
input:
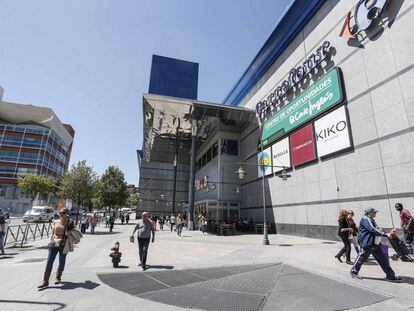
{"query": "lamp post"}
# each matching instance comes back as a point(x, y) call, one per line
point(241, 173)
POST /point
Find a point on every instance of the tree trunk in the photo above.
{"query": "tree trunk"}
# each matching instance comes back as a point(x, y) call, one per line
point(77, 213)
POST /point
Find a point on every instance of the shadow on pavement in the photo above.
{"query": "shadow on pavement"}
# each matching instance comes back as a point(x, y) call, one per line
point(71, 285)
point(105, 232)
point(122, 267)
point(159, 267)
point(405, 279)
point(6, 256)
point(54, 306)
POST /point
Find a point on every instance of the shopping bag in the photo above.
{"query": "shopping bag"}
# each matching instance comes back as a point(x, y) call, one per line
point(131, 239)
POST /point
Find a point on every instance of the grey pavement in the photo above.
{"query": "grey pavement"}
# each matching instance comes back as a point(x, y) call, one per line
point(84, 288)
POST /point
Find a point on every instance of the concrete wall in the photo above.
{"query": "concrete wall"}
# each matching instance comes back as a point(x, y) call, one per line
point(378, 81)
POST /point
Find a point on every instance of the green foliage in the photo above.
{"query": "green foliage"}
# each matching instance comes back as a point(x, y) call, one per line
point(132, 200)
point(32, 184)
point(97, 202)
point(113, 188)
point(79, 183)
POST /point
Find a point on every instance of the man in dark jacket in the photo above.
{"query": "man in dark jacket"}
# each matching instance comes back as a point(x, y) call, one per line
point(407, 224)
point(369, 238)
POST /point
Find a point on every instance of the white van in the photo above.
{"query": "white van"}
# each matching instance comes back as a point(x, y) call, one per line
point(39, 213)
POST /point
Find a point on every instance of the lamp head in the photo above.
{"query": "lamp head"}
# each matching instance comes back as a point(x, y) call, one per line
point(241, 172)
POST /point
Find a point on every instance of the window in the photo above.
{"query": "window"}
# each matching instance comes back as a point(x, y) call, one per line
point(229, 147)
point(208, 155)
point(215, 149)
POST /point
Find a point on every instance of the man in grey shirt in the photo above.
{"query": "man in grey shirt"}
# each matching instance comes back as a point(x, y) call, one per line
point(145, 228)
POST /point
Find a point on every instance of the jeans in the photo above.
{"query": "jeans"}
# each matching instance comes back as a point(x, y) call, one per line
point(53, 251)
point(83, 228)
point(354, 243)
point(379, 257)
point(111, 226)
point(93, 228)
point(143, 244)
point(203, 228)
point(172, 226)
point(2, 235)
point(408, 241)
point(346, 249)
point(179, 229)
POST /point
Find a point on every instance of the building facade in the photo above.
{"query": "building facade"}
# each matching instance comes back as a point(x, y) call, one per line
point(328, 99)
point(32, 140)
point(349, 146)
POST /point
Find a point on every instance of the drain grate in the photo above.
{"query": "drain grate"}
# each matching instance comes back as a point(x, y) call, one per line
point(244, 288)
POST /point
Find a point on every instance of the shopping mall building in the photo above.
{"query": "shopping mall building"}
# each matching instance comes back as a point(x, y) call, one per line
point(32, 140)
point(328, 100)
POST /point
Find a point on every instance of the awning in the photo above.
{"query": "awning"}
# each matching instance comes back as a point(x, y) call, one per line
point(168, 120)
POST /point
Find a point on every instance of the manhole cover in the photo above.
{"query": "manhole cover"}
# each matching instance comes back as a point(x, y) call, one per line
point(32, 260)
point(328, 242)
point(285, 245)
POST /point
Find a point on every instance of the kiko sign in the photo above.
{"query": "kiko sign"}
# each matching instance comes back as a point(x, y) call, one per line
point(332, 132)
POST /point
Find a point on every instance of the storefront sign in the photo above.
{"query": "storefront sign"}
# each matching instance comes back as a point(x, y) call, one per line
point(281, 154)
point(303, 145)
point(203, 184)
point(366, 11)
point(264, 160)
point(322, 95)
point(332, 132)
point(276, 98)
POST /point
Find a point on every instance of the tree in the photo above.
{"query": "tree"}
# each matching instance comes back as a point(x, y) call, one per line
point(132, 199)
point(113, 188)
point(97, 201)
point(79, 184)
point(33, 184)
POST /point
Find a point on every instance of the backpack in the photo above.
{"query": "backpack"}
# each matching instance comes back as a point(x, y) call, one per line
point(2, 219)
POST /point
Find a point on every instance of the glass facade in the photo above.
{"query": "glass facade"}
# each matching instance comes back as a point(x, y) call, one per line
point(31, 149)
point(173, 77)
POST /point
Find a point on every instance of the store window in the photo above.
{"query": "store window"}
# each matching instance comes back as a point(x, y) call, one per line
point(229, 147)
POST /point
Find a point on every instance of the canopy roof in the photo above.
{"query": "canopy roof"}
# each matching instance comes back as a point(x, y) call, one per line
point(169, 119)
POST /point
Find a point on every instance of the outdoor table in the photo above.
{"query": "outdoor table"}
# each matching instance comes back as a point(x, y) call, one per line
point(259, 227)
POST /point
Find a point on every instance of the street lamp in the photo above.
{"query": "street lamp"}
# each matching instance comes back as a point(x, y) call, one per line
point(241, 173)
point(162, 195)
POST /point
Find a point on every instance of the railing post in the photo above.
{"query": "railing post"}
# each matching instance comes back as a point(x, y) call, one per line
point(24, 234)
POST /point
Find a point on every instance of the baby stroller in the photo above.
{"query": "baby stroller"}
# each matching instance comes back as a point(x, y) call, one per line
point(400, 248)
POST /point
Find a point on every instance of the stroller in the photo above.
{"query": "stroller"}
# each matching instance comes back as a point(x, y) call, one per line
point(400, 248)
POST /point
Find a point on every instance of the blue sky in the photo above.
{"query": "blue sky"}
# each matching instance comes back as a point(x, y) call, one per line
point(90, 60)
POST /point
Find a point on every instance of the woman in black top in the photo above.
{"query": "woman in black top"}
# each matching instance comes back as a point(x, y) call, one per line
point(344, 231)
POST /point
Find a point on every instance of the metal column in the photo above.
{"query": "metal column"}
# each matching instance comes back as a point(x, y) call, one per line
point(192, 175)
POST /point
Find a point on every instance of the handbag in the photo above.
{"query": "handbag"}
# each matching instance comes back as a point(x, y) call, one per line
point(131, 239)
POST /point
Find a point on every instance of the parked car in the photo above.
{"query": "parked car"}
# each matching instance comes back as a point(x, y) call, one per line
point(39, 213)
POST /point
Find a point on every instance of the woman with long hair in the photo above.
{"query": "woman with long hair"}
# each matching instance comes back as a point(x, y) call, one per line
point(344, 232)
point(58, 237)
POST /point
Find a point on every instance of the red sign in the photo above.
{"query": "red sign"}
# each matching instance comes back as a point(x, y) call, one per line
point(302, 144)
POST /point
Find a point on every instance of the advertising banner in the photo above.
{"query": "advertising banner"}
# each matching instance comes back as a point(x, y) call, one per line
point(302, 144)
point(264, 158)
point(322, 95)
point(281, 154)
point(332, 132)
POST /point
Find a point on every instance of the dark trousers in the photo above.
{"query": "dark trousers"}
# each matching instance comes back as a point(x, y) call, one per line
point(53, 251)
point(161, 226)
point(172, 227)
point(346, 249)
point(379, 257)
point(2, 235)
point(179, 229)
point(111, 226)
point(408, 240)
point(143, 244)
point(83, 228)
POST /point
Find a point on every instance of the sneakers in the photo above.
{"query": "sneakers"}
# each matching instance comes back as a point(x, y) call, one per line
point(140, 264)
point(355, 276)
point(339, 258)
point(349, 262)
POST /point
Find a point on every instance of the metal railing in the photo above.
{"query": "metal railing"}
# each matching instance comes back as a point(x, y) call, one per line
point(18, 235)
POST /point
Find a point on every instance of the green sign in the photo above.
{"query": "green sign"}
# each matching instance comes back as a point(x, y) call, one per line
point(322, 95)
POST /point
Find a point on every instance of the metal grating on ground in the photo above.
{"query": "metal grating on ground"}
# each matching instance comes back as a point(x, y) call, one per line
point(245, 288)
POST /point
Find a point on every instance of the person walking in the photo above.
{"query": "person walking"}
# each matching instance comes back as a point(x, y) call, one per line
point(344, 232)
point(352, 236)
point(203, 222)
point(127, 218)
point(60, 230)
point(172, 222)
point(122, 218)
point(161, 222)
point(145, 230)
point(407, 224)
point(179, 224)
point(93, 221)
point(111, 222)
point(4, 223)
point(369, 239)
point(84, 222)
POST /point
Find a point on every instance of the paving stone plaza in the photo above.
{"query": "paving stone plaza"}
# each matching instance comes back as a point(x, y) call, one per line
point(201, 272)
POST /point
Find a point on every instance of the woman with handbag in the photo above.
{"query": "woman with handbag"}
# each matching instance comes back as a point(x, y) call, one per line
point(58, 237)
point(344, 232)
